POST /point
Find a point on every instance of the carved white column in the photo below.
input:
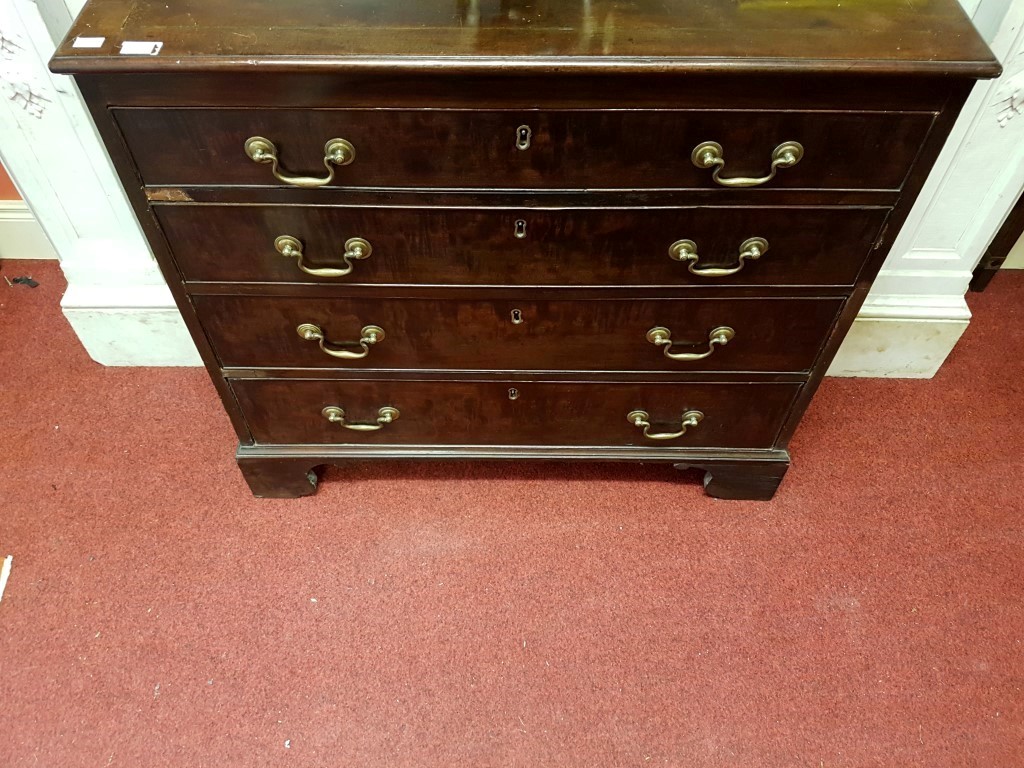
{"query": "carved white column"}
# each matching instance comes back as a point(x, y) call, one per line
point(916, 311)
point(116, 300)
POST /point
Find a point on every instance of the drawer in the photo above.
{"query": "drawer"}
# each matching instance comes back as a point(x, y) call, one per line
point(513, 413)
point(764, 334)
point(520, 246)
point(523, 149)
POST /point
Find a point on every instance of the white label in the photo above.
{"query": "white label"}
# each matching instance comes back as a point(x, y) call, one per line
point(140, 48)
point(89, 42)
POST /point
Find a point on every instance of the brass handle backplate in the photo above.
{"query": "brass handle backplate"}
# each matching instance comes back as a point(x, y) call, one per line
point(709, 154)
point(642, 420)
point(355, 249)
point(371, 334)
point(337, 152)
point(751, 249)
point(662, 337)
point(385, 416)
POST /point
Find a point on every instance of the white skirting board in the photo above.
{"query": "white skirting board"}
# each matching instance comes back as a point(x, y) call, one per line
point(146, 331)
point(21, 237)
point(902, 337)
point(1015, 259)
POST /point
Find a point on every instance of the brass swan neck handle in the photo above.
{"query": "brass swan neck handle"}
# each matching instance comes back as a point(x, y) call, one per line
point(356, 249)
point(660, 336)
point(371, 334)
point(337, 152)
point(751, 249)
point(336, 415)
point(709, 154)
point(642, 420)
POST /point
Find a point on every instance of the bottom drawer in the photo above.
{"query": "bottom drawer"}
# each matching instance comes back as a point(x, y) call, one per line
point(551, 413)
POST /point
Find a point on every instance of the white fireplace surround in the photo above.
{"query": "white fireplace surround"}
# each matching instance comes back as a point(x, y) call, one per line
point(120, 307)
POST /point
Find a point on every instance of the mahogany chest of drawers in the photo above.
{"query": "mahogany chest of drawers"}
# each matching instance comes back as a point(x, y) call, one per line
point(450, 229)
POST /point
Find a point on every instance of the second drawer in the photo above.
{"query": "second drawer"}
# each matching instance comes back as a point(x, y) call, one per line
point(750, 334)
point(521, 246)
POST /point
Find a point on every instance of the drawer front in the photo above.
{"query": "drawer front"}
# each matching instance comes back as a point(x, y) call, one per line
point(511, 413)
point(496, 246)
point(767, 334)
point(580, 149)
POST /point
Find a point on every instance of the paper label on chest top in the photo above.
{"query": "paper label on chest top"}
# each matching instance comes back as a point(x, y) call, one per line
point(140, 48)
point(89, 42)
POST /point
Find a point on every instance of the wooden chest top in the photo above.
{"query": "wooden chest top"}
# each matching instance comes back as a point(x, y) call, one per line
point(756, 36)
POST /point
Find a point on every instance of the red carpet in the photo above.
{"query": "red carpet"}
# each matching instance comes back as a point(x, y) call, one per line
point(497, 615)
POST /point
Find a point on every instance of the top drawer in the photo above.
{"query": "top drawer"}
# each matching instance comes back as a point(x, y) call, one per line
point(524, 149)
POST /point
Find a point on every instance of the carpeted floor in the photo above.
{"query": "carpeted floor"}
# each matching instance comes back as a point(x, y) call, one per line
point(497, 615)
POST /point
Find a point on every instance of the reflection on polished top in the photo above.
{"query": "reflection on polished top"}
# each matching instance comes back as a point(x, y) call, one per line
point(763, 35)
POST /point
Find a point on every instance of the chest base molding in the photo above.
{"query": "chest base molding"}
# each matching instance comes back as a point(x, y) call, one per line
point(291, 471)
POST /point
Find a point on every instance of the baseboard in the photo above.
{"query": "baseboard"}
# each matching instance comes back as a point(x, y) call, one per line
point(21, 236)
point(907, 337)
point(148, 331)
point(1015, 258)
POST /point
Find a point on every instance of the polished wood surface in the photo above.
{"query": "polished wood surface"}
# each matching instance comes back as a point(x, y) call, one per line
point(542, 413)
point(516, 284)
point(774, 334)
point(493, 88)
point(488, 246)
point(754, 480)
point(645, 35)
point(286, 471)
point(583, 149)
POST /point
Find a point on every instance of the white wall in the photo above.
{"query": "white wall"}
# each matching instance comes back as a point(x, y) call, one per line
point(916, 311)
point(116, 300)
point(124, 314)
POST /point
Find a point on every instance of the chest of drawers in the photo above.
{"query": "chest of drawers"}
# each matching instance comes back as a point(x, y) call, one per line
point(630, 231)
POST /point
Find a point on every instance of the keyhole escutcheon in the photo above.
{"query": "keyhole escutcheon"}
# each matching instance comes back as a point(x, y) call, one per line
point(513, 394)
point(517, 317)
point(520, 228)
point(523, 136)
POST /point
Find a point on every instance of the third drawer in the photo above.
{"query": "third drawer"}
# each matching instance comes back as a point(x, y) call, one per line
point(746, 334)
point(522, 246)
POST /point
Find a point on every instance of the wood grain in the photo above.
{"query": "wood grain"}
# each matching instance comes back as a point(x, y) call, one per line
point(544, 35)
point(544, 413)
point(582, 149)
point(566, 247)
point(772, 334)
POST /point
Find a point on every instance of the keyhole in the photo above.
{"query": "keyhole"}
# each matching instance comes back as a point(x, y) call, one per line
point(523, 136)
point(517, 317)
point(513, 394)
point(520, 228)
